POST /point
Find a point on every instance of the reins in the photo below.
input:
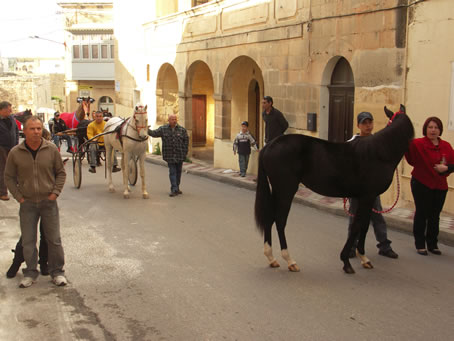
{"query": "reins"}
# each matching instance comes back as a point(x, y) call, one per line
point(347, 210)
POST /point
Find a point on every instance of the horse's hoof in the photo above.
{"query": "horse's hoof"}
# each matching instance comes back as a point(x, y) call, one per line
point(274, 264)
point(126, 196)
point(294, 268)
point(145, 196)
point(112, 190)
point(367, 265)
point(348, 269)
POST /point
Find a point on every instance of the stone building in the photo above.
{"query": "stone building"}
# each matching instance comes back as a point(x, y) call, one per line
point(89, 54)
point(323, 61)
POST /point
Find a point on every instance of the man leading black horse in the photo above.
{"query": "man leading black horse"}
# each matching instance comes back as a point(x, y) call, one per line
point(275, 122)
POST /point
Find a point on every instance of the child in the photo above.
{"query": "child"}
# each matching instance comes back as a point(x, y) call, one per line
point(366, 125)
point(242, 145)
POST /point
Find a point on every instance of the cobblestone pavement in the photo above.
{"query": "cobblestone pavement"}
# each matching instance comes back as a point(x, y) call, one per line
point(398, 219)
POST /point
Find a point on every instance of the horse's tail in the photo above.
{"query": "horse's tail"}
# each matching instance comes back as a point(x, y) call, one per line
point(264, 208)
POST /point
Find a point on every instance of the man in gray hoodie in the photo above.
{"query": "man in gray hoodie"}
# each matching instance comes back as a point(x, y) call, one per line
point(35, 177)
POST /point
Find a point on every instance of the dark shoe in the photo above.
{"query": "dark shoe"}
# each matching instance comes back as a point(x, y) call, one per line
point(435, 251)
point(388, 253)
point(92, 169)
point(98, 164)
point(44, 269)
point(69, 150)
point(352, 253)
point(115, 169)
point(179, 192)
point(422, 252)
point(173, 194)
point(13, 269)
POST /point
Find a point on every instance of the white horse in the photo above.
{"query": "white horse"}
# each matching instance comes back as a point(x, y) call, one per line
point(131, 141)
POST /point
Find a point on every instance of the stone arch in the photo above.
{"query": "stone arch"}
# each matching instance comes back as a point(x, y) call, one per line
point(167, 101)
point(242, 90)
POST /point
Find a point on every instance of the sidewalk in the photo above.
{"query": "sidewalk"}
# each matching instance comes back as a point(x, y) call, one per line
point(400, 219)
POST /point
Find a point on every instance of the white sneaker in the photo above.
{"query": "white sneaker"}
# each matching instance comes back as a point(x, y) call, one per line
point(26, 282)
point(60, 281)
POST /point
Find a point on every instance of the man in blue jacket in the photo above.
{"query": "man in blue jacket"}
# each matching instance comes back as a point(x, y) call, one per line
point(9, 137)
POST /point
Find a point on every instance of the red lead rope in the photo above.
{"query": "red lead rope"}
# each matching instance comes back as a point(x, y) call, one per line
point(374, 210)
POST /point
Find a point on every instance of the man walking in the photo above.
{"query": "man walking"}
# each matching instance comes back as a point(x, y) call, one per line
point(175, 142)
point(9, 137)
point(35, 176)
point(275, 122)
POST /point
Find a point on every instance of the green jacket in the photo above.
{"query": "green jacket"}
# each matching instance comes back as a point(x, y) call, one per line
point(34, 179)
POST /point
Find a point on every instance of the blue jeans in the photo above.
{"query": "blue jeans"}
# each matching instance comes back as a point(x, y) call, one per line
point(244, 161)
point(57, 139)
point(30, 213)
point(175, 175)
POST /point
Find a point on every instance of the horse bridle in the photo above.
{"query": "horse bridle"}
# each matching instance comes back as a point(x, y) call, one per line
point(137, 128)
point(394, 116)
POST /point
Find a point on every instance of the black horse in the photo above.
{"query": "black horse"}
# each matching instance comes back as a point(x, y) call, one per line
point(362, 169)
point(23, 115)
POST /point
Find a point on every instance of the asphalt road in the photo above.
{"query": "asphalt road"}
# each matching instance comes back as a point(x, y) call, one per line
point(192, 268)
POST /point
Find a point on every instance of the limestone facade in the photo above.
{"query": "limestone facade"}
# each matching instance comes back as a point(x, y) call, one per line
point(327, 57)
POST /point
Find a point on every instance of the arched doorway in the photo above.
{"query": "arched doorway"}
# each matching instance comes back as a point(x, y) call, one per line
point(254, 109)
point(166, 93)
point(341, 102)
point(200, 90)
point(106, 103)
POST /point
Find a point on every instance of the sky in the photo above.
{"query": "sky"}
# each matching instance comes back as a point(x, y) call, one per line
point(24, 18)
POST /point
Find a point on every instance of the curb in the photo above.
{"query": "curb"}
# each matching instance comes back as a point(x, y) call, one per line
point(393, 222)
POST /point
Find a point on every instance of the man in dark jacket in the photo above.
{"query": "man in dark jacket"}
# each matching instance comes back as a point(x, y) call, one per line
point(9, 137)
point(275, 122)
point(175, 142)
point(59, 126)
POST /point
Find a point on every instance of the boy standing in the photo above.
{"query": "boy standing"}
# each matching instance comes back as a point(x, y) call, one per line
point(366, 125)
point(242, 146)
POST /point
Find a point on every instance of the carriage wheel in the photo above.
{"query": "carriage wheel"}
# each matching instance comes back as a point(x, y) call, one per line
point(132, 175)
point(77, 170)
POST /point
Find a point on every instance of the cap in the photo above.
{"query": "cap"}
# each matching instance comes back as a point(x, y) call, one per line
point(245, 123)
point(364, 116)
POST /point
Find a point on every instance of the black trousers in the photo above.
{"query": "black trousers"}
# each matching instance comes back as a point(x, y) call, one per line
point(43, 253)
point(426, 223)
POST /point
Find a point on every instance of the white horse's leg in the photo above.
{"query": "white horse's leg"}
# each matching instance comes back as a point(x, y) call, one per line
point(142, 175)
point(109, 154)
point(125, 169)
point(365, 262)
point(268, 252)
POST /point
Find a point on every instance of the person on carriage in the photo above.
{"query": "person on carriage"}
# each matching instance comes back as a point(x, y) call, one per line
point(94, 128)
point(59, 126)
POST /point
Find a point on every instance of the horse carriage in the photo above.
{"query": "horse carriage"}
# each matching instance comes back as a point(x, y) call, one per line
point(129, 136)
point(82, 151)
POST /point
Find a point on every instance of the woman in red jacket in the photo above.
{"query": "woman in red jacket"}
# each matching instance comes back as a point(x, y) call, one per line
point(432, 160)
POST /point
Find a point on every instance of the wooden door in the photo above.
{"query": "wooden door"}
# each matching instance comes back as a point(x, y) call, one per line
point(199, 120)
point(341, 104)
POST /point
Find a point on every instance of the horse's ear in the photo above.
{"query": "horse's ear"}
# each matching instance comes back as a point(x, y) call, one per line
point(388, 112)
point(402, 109)
point(145, 109)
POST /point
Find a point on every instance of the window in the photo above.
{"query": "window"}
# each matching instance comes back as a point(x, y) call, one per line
point(94, 51)
point(85, 54)
point(104, 51)
point(112, 51)
point(76, 51)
